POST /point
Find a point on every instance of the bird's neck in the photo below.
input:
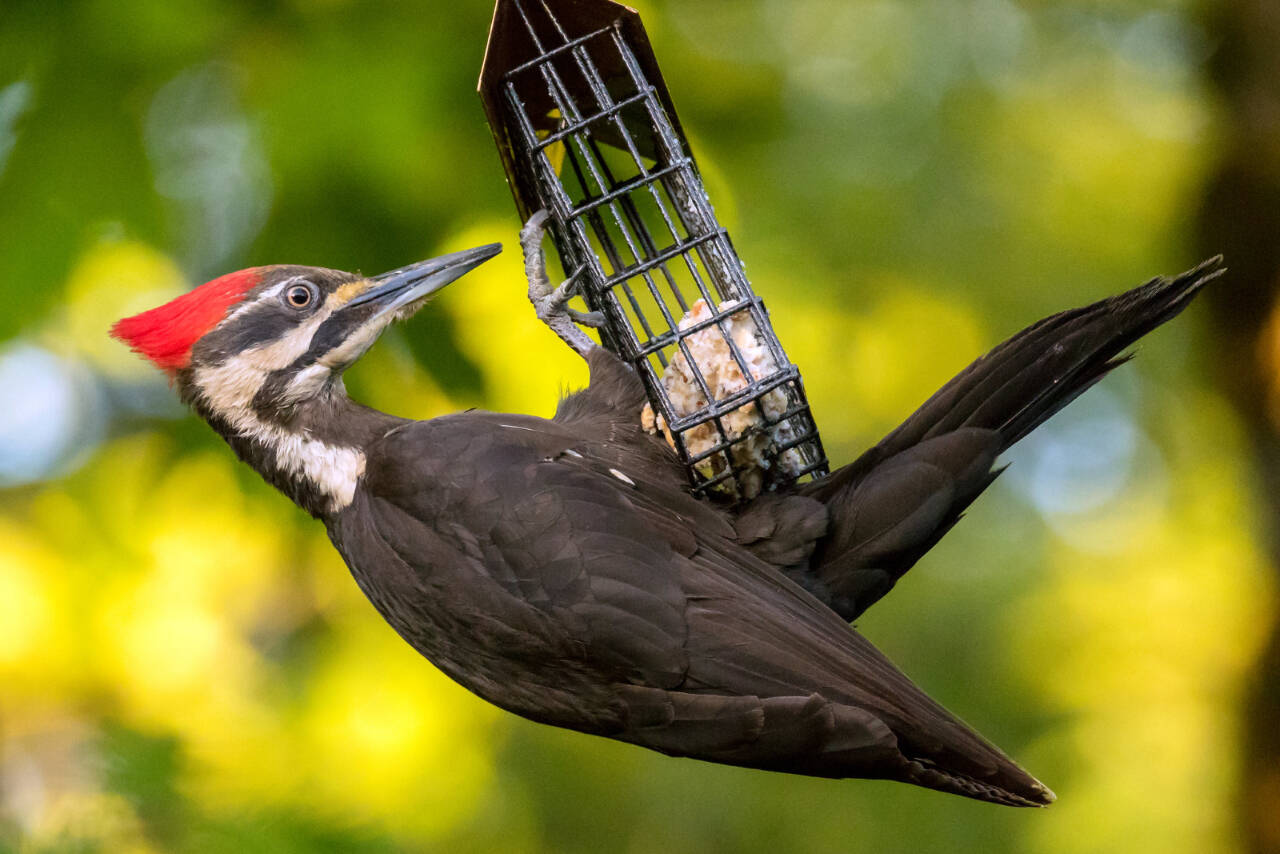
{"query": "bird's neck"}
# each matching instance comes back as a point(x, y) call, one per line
point(315, 453)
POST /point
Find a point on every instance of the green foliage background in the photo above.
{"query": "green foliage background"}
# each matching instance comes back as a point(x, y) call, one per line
point(185, 664)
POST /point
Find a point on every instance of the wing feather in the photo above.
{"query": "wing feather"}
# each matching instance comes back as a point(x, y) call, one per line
point(598, 602)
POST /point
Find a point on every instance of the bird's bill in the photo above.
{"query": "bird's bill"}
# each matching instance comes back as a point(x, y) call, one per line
point(353, 327)
point(407, 285)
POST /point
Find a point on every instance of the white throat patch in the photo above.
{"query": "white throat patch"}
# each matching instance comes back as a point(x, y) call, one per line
point(230, 389)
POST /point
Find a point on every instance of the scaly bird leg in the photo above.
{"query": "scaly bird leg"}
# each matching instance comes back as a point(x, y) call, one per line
point(551, 303)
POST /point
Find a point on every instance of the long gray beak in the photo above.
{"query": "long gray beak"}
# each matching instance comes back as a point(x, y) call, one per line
point(409, 284)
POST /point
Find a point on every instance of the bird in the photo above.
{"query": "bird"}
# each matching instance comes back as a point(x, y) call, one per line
point(562, 570)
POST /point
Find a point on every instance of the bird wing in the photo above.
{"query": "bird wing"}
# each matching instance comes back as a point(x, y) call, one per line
point(894, 503)
point(570, 591)
point(849, 537)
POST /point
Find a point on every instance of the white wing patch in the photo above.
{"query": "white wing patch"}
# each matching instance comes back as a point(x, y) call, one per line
point(622, 477)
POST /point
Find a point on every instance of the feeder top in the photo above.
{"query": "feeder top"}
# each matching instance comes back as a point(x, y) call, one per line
point(526, 31)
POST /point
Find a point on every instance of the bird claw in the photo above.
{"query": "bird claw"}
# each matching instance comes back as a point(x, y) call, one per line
point(557, 300)
point(593, 319)
point(568, 289)
point(551, 303)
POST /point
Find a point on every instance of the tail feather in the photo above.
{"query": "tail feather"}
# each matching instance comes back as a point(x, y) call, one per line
point(1022, 382)
point(940, 459)
point(1034, 794)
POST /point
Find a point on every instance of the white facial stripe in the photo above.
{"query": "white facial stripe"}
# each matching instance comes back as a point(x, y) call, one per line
point(230, 389)
point(271, 293)
point(335, 470)
point(311, 379)
point(307, 383)
point(355, 344)
point(286, 350)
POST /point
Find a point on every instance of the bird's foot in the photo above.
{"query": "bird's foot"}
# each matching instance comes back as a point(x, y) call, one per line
point(551, 303)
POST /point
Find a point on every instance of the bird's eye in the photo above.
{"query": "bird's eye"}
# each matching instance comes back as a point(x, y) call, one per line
point(299, 296)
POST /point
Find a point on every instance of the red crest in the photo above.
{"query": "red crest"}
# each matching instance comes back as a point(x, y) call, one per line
point(166, 334)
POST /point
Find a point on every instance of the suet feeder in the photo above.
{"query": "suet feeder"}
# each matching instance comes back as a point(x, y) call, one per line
point(586, 129)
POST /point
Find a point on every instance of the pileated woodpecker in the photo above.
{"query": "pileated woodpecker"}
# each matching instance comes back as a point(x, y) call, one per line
point(560, 568)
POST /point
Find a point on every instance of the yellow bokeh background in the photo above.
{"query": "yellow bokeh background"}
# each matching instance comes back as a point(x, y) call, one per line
point(186, 664)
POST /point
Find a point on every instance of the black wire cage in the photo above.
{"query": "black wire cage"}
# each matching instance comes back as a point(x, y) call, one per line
point(587, 130)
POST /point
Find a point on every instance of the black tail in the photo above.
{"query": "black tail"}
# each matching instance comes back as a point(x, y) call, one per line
point(893, 503)
point(1018, 385)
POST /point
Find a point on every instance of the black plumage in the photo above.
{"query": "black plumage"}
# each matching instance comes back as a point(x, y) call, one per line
point(561, 570)
point(508, 551)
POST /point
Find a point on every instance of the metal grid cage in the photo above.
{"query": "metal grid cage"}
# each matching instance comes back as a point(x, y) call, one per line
point(587, 130)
